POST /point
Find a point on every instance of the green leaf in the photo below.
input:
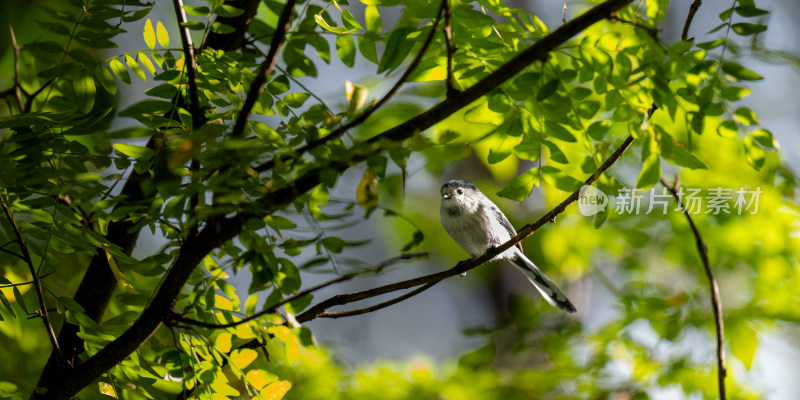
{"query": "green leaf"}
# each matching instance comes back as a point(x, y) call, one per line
point(222, 29)
point(765, 138)
point(366, 46)
point(555, 153)
point(677, 155)
point(598, 130)
point(520, 187)
point(197, 11)
point(346, 50)
point(330, 28)
point(727, 128)
point(528, 150)
point(547, 89)
point(481, 114)
point(373, 19)
point(149, 34)
point(750, 11)
point(84, 89)
point(134, 66)
point(333, 244)
point(559, 132)
point(227, 11)
point(134, 151)
point(650, 174)
point(747, 29)
point(397, 49)
point(120, 71)
point(162, 35)
point(164, 91)
point(102, 75)
point(754, 154)
point(350, 21)
point(296, 100)
point(746, 116)
point(588, 109)
point(733, 93)
point(736, 72)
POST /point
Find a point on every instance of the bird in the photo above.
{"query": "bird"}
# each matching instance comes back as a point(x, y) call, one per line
point(476, 224)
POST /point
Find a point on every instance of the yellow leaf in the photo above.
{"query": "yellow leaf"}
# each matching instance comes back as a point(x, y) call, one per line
point(149, 34)
point(367, 191)
point(241, 358)
point(107, 389)
point(276, 391)
point(259, 378)
point(223, 342)
point(162, 35)
point(121, 279)
point(147, 63)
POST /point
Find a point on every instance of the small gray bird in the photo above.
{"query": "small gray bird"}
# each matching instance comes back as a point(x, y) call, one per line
point(476, 224)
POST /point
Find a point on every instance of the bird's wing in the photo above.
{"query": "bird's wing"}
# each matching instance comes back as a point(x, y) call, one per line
point(501, 218)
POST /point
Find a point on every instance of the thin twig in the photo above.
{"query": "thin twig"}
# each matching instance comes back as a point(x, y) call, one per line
point(689, 17)
point(448, 40)
point(377, 269)
point(716, 304)
point(17, 87)
point(319, 309)
point(37, 282)
point(378, 306)
point(266, 67)
point(369, 111)
point(27, 283)
point(189, 62)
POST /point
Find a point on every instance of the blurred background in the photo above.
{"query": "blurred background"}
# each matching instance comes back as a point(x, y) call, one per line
point(636, 277)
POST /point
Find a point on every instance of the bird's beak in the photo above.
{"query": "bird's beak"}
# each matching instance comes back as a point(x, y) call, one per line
point(445, 196)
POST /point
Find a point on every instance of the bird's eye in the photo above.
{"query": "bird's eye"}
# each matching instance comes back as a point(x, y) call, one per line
point(459, 191)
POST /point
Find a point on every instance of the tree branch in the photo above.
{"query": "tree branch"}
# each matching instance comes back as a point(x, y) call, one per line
point(64, 383)
point(448, 40)
point(266, 67)
point(189, 63)
point(234, 40)
point(349, 313)
point(692, 11)
point(37, 283)
point(337, 133)
point(318, 310)
point(377, 269)
point(17, 88)
point(716, 304)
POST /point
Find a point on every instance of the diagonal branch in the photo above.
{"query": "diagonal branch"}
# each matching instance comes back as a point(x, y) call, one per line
point(189, 63)
point(377, 269)
point(17, 88)
point(337, 133)
point(37, 283)
point(689, 17)
point(266, 67)
point(318, 310)
point(716, 304)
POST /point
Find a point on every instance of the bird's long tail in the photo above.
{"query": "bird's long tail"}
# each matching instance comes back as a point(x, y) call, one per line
point(543, 284)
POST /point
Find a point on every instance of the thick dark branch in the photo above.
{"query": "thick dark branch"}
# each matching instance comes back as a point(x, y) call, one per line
point(338, 132)
point(716, 304)
point(318, 310)
point(236, 39)
point(192, 252)
point(692, 11)
point(266, 67)
point(377, 269)
point(37, 283)
point(189, 64)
